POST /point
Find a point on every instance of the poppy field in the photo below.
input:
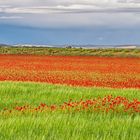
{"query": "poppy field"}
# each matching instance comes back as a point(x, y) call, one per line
point(24, 114)
point(69, 97)
point(72, 70)
point(107, 104)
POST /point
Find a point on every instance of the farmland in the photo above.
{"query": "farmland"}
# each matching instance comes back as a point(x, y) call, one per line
point(72, 70)
point(57, 97)
point(109, 52)
point(57, 124)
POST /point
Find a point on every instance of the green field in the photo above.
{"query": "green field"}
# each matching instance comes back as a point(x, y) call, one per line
point(118, 52)
point(59, 125)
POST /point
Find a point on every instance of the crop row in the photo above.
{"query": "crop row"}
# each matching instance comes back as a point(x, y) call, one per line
point(106, 104)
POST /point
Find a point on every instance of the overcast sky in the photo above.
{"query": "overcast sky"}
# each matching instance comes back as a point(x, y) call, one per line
point(70, 21)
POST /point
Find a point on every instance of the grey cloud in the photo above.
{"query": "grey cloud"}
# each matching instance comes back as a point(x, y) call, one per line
point(68, 6)
point(67, 9)
point(60, 13)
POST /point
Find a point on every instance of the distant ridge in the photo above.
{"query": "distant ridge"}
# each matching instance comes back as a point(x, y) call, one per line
point(74, 46)
point(2, 45)
point(81, 46)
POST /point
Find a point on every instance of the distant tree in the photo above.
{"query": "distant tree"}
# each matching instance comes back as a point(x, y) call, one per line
point(69, 47)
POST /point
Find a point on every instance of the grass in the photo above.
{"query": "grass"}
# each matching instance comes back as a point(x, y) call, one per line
point(63, 126)
point(71, 51)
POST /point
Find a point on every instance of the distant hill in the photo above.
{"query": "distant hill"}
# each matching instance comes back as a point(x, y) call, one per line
point(88, 46)
point(123, 51)
point(99, 46)
point(2, 45)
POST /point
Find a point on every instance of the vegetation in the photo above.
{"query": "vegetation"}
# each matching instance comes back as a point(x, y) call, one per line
point(30, 110)
point(71, 51)
point(63, 125)
point(72, 70)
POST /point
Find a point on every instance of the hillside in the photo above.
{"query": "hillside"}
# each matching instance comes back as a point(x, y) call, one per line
point(53, 51)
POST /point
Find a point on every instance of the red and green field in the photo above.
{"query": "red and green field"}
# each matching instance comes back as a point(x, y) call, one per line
point(69, 97)
point(72, 70)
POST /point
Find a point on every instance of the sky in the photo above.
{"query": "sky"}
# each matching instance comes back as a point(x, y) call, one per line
point(98, 22)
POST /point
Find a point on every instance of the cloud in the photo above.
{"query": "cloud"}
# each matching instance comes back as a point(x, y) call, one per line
point(68, 9)
point(67, 6)
point(71, 13)
point(10, 17)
